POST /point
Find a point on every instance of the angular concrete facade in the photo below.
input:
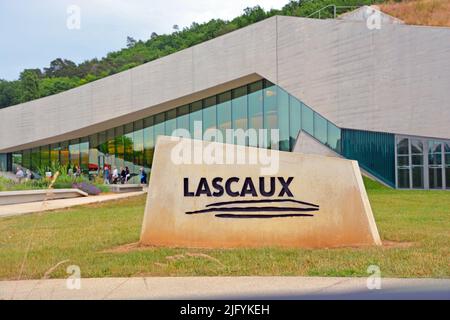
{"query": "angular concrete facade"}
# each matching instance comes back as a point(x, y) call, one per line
point(395, 79)
point(380, 96)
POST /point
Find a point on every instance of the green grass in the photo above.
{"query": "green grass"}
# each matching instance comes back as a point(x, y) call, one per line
point(83, 234)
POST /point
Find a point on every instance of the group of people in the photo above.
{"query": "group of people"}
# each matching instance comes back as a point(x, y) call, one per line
point(123, 176)
point(75, 171)
point(20, 174)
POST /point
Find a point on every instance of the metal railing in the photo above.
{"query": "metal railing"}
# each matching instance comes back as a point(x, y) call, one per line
point(335, 9)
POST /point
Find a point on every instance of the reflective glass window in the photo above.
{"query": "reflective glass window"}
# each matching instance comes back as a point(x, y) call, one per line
point(45, 157)
point(94, 165)
point(183, 117)
point(239, 112)
point(84, 155)
point(307, 119)
point(64, 153)
point(402, 146)
point(334, 137)
point(120, 148)
point(195, 120)
point(209, 114)
point(224, 113)
point(295, 117)
point(283, 119)
point(159, 125)
point(74, 153)
point(270, 116)
point(320, 128)
point(149, 141)
point(26, 159)
point(171, 122)
point(403, 178)
point(255, 110)
point(138, 143)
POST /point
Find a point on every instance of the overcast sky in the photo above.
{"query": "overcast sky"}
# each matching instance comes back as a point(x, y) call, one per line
point(34, 32)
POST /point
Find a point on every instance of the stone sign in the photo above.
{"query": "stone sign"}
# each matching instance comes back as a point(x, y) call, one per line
point(197, 199)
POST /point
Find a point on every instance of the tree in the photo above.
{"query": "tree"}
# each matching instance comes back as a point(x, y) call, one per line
point(131, 42)
point(30, 85)
point(61, 68)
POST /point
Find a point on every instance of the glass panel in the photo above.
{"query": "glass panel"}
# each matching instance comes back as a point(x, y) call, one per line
point(171, 122)
point(334, 137)
point(54, 153)
point(416, 146)
point(295, 114)
point(128, 147)
point(64, 153)
point(255, 111)
point(403, 178)
point(402, 146)
point(417, 177)
point(120, 148)
point(16, 160)
point(159, 126)
point(320, 128)
point(447, 155)
point(196, 116)
point(270, 115)
point(74, 154)
point(403, 161)
point(149, 142)
point(417, 159)
point(209, 114)
point(35, 159)
point(111, 143)
point(138, 140)
point(45, 157)
point(283, 119)
point(224, 112)
point(435, 177)
point(447, 177)
point(84, 155)
point(307, 119)
point(26, 159)
point(239, 112)
point(93, 165)
point(183, 117)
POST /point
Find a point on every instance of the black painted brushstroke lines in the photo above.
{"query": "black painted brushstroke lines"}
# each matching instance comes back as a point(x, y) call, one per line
point(249, 216)
point(260, 201)
point(252, 209)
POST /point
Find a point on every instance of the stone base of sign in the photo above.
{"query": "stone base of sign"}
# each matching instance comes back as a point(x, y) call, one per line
point(328, 207)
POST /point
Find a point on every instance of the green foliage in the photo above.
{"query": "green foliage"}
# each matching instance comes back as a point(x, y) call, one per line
point(63, 74)
point(10, 185)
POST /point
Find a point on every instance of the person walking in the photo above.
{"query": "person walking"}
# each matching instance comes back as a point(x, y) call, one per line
point(106, 175)
point(127, 174)
point(143, 176)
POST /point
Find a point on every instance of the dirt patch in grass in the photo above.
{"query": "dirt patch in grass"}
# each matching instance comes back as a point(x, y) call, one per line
point(129, 247)
point(397, 244)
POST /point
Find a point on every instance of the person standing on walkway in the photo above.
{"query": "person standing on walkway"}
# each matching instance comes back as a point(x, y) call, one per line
point(143, 176)
point(19, 174)
point(106, 175)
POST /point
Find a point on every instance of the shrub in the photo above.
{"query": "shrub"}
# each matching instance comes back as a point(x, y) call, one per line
point(90, 189)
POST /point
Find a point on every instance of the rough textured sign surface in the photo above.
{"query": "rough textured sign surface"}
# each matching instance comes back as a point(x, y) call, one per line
point(308, 201)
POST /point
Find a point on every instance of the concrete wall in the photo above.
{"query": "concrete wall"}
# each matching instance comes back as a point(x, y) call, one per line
point(396, 79)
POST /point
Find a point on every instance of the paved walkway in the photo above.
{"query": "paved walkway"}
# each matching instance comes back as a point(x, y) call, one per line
point(227, 288)
point(31, 207)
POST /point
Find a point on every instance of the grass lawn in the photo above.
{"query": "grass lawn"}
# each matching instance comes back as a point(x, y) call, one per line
point(32, 245)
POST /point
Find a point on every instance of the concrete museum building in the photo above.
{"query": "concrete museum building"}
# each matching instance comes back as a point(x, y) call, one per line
point(333, 87)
